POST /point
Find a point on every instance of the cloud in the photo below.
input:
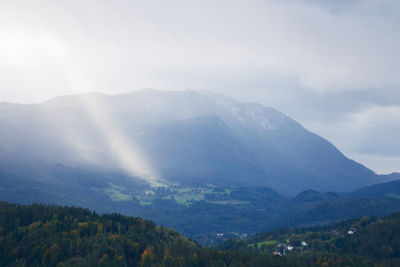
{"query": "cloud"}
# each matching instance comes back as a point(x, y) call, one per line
point(105, 42)
point(378, 163)
point(321, 62)
point(369, 136)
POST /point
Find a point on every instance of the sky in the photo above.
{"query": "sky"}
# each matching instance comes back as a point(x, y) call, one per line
point(331, 65)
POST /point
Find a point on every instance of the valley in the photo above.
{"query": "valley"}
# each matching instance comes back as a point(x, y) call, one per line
point(211, 168)
point(200, 133)
point(207, 213)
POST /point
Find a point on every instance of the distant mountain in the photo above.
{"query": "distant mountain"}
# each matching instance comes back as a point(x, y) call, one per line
point(312, 207)
point(390, 189)
point(188, 137)
point(312, 196)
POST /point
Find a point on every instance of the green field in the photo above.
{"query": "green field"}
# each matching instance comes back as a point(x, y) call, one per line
point(181, 195)
point(267, 243)
point(115, 194)
point(229, 202)
point(187, 199)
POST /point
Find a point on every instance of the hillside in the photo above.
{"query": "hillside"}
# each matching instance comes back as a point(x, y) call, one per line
point(200, 212)
point(39, 235)
point(186, 137)
point(370, 238)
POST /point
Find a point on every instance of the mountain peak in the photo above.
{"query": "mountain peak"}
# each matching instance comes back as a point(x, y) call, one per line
point(192, 135)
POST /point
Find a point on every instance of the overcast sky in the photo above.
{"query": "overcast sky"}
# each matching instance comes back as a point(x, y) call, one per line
point(332, 65)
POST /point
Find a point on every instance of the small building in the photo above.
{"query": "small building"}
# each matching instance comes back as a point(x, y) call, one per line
point(282, 245)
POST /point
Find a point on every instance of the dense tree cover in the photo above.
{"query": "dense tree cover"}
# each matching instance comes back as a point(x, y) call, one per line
point(42, 235)
point(378, 238)
point(369, 239)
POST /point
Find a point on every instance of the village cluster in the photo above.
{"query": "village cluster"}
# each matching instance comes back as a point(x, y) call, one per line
point(282, 249)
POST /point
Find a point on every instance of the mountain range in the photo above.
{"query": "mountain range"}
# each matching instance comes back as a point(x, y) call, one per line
point(203, 163)
point(187, 137)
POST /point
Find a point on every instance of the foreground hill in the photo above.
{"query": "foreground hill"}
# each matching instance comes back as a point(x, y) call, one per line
point(187, 137)
point(366, 239)
point(39, 235)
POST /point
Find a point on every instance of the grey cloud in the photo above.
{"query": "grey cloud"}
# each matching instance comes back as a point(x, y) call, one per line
point(320, 62)
point(281, 91)
point(361, 7)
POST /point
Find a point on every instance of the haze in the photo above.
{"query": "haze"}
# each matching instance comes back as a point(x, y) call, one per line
point(331, 65)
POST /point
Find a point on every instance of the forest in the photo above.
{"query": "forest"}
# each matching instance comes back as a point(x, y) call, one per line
point(49, 235)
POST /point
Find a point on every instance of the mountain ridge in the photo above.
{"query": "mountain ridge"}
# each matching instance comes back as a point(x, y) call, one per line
point(96, 130)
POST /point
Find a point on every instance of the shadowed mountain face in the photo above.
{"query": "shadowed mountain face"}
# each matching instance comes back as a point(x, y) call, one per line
point(189, 137)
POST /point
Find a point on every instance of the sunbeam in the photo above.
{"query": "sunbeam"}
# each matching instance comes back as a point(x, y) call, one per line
point(121, 148)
